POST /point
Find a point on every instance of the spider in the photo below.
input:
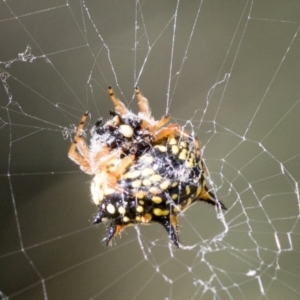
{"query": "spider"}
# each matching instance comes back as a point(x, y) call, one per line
point(144, 170)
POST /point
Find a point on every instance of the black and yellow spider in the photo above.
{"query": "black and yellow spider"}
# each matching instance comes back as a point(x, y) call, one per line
point(144, 171)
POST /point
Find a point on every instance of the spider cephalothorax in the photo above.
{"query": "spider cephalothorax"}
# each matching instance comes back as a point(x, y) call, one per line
point(143, 171)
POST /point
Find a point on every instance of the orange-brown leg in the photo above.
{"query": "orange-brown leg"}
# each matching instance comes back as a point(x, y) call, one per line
point(171, 130)
point(78, 132)
point(119, 106)
point(143, 103)
point(158, 124)
point(121, 167)
point(145, 109)
point(81, 158)
point(102, 152)
point(115, 170)
point(82, 147)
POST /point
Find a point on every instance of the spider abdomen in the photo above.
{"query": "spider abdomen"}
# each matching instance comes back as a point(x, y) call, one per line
point(159, 184)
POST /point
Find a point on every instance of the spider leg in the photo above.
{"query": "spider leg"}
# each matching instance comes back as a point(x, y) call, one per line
point(143, 103)
point(105, 159)
point(115, 166)
point(107, 176)
point(119, 106)
point(160, 123)
point(82, 147)
point(115, 172)
point(81, 158)
point(100, 157)
point(145, 109)
point(121, 167)
point(171, 130)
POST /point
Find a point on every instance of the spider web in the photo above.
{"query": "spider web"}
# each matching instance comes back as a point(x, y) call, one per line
point(227, 70)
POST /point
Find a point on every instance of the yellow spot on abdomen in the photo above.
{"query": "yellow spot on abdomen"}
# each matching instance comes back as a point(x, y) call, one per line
point(175, 196)
point(132, 175)
point(147, 172)
point(154, 190)
point(155, 178)
point(136, 183)
point(126, 219)
point(187, 190)
point(126, 130)
point(156, 199)
point(182, 154)
point(159, 212)
point(172, 141)
point(165, 184)
point(110, 209)
point(147, 182)
point(175, 149)
point(161, 148)
point(148, 159)
point(140, 209)
point(183, 144)
point(121, 210)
